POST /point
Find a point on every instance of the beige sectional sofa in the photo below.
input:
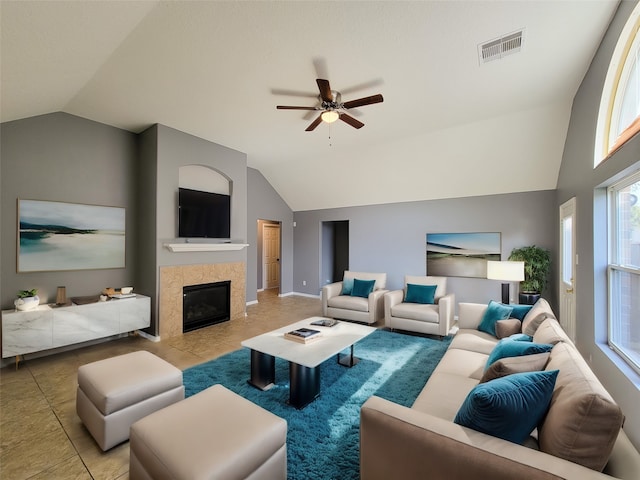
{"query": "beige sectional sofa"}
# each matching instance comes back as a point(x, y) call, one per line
point(581, 429)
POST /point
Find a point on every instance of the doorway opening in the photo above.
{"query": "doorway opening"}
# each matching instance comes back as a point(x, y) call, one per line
point(269, 234)
point(334, 251)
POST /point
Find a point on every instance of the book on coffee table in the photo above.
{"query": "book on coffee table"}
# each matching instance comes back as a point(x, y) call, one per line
point(325, 322)
point(303, 335)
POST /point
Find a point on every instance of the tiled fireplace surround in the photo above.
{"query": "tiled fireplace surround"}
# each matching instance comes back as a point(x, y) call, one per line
point(173, 278)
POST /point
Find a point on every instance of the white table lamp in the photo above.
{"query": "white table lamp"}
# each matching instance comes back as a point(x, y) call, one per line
point(507, 272)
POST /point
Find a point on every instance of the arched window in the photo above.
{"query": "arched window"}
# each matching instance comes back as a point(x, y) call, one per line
point(619, 117)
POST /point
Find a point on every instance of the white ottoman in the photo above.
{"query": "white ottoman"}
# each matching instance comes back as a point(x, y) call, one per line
point(116, 392)
point(213, 434)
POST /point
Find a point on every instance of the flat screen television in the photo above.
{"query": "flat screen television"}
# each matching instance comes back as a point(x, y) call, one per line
point(203, 214)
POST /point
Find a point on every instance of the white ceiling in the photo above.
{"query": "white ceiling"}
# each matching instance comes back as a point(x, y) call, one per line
point(448, 126)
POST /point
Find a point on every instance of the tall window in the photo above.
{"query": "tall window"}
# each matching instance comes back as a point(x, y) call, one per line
point(619, 117)
point(624, 269)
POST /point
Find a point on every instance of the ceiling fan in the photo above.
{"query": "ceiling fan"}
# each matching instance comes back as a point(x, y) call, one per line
point(333, 108)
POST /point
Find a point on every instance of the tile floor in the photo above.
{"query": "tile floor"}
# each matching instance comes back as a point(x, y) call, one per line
point(41, 437)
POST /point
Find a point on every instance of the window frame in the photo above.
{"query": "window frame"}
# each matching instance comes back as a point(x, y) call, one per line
point(614, 266)
point(614, 89)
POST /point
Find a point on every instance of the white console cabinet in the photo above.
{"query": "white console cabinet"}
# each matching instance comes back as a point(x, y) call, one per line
point(51, 327)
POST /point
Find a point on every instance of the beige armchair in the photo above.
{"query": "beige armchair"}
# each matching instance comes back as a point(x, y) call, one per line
point(349, 307)
point(431, 319)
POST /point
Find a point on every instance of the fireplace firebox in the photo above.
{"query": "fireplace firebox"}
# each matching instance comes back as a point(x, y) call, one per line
point(205, 304)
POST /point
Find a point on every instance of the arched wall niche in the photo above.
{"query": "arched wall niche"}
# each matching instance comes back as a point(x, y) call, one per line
point(204, 179)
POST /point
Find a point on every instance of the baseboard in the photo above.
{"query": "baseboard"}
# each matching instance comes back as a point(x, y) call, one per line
point(300, 294)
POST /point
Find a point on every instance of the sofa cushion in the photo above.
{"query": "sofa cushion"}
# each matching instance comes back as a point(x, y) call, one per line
point(507, 366)
point(510, 407)
point(508, 347)
point(583, 421)
point(444, 394)
point(348, 302)
point(538, 313)
point(362, 288)
point(474, 340)
point(347, 286)
point(416, 311)
point(463, 363)
point(494, 312)
point(424, 294)
point(551, 332)
point(507, 327)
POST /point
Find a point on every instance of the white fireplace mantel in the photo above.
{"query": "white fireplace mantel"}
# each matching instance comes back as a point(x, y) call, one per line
point(205, 247)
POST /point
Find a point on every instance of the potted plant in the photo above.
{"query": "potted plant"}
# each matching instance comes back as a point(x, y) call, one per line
point(537, 263)
point(27, 299)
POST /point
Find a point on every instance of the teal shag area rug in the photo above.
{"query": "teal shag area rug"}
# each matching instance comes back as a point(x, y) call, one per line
point(323, 438)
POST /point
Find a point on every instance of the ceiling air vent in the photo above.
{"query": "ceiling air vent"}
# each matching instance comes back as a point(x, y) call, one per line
point(500, 47)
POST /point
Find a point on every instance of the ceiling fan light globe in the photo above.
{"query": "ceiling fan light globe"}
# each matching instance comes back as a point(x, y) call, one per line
point(330, 116)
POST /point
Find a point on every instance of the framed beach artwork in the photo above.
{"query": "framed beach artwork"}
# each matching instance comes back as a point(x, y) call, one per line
point(69, 236)
point(461, 254)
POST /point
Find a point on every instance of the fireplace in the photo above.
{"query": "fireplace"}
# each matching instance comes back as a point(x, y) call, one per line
point(205, 304)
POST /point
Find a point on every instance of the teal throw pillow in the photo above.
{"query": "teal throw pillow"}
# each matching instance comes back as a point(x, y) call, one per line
point(521, 337)
point(494, 312)
point(362, 288)
point(510, 348)
point(509, 407)
point(347, 286)
point(420, 293)
point(519, 311)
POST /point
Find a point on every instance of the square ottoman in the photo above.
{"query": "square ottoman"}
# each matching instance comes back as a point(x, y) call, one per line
point(213, 434)
point(114, 393)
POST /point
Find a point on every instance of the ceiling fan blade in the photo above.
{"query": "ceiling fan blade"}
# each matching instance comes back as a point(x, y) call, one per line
point(360, 102)
point(325, 90)
point(351, 121)
point(314, 124)
point(286, 107)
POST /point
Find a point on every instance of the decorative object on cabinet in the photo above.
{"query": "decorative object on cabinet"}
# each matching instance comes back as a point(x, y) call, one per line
point(461, 254)
point(27, 300)
point(69, 236)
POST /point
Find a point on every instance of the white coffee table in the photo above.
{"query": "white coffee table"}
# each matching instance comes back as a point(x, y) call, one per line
point(304, 359)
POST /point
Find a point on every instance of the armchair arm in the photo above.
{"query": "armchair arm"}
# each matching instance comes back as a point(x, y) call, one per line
point(390, 299)
point(329, 291)
point(376, 304)
point(446, 307)
point(400, 442)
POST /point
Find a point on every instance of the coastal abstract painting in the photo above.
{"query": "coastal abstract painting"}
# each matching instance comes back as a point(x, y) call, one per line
point(69, 236)
point(461, 254)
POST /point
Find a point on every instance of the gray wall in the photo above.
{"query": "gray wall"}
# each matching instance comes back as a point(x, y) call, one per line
point(163, 151)
point(578, 178)
point(264, 203)
point(64, 158)
point(392, 238)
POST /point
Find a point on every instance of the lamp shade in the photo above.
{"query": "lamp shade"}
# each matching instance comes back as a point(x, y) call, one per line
point(506, 271)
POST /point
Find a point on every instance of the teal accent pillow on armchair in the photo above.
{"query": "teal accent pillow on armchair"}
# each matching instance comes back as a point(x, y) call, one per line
point(420, 293)
point(347, 286)
point(362, 288)
point(494, 312)
point(508, 407)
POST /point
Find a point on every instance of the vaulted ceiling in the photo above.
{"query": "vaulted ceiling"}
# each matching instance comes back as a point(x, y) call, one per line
point(449, 126)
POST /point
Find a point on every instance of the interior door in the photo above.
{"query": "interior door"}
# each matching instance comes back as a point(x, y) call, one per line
point(271, 255)
point(567, 271)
